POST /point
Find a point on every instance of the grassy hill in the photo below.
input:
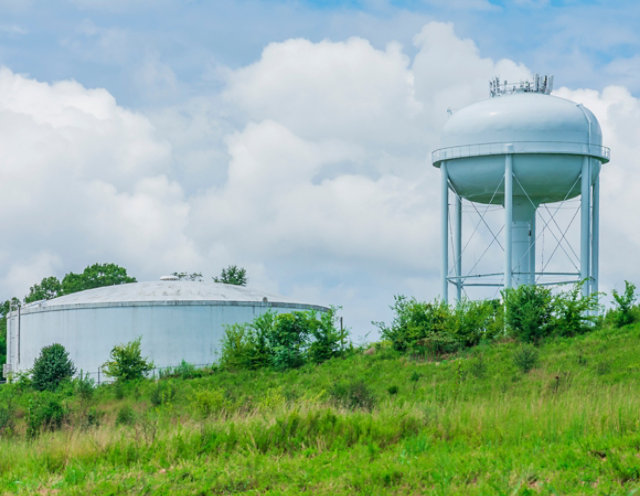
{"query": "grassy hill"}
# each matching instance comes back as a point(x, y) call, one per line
point(380, 423)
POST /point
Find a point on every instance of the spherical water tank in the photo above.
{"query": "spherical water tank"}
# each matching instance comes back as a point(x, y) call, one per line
point(546, 135)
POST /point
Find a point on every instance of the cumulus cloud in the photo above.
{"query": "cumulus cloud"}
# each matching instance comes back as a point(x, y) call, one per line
point(618, 112)
point(82, 180)
point(310, 167)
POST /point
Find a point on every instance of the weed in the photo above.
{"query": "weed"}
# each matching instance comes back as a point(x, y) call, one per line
point(393, 390)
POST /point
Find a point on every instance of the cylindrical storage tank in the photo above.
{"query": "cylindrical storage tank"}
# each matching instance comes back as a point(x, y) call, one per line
point(176, 320)
point(520, 149)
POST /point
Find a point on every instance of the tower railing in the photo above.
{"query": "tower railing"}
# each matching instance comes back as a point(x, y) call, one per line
point(519, 147)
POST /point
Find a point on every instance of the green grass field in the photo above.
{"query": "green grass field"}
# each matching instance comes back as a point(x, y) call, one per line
point(471, 423)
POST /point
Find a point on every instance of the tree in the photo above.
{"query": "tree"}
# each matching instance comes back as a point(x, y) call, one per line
point(95, 276)
point(127, 363)
point(232, 275)
point(49, 287)
point(52, 367)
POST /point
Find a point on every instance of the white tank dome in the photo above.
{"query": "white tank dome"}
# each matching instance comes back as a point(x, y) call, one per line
point(547, 136)
point(522, 117)
point(176, 320)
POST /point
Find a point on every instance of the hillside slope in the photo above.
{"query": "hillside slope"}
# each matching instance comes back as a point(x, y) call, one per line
point(472, 423)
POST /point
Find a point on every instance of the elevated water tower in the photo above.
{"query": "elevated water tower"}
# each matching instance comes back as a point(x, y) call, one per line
point(520, 149)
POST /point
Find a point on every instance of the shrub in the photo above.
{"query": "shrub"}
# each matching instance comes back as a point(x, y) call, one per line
point(126, 415)
point(84, 386)
point(127, 363)
point(282, 341)
point(185, 370)
point(572, 312)
point(436, 328)
point(525, 357)
point(287, 340)
point(327, 340)
point(245, 346)
point(474, 321)
point(418, 326)
point(6, 420)
point(208, 402)
point(52, 367)
point(353, 395)
point(528, 312)
point(623, 314)
point(162, 392)
point(45, 412)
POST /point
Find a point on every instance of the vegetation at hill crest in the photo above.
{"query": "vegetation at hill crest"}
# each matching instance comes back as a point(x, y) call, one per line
point(483, 416)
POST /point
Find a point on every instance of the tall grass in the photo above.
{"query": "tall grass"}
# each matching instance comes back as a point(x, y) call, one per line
point(569, 426)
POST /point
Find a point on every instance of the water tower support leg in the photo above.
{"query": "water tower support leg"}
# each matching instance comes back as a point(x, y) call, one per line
point(458, 248)
point(445, 230)
point(508, 217)
point(585, 237)
point(532, 250)
point(595, 235)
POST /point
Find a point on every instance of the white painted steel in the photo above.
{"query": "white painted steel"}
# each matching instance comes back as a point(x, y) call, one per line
point(585, 235)
point(508, 219)
point(595, 236)
point(522, 150)
point(444, 195)
point(458, 248)
point(177, 320)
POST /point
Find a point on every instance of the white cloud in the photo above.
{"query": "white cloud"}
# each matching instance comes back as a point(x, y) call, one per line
point(619, 115)
point(310, 168)
point(83, 180)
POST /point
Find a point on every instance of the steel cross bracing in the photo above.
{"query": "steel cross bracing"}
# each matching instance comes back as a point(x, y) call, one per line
point(550, 224)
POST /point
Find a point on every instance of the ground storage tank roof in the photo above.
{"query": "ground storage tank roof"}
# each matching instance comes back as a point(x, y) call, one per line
point(167, 293)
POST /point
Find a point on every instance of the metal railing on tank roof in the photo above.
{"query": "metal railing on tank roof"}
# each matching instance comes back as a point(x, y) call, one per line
point(602, 153)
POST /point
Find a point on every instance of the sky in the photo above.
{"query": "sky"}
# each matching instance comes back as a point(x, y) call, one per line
point(288, 137)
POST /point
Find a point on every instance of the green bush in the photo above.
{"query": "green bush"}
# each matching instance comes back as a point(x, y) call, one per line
point(288, 339)
point(209, 402)
point(162, 392)
point(45, 412)
point(126, 362)
point(353, 395)
point(185, 370)
point(529, 312)
point(52, 367)
point(326, 339)
point(282, 341)
point(126, 415)
point(84, 386)
point(6, 420)
point(417, 324)
point(573, 313)
point(437, 328)
point(525, 357)
point(623, 313)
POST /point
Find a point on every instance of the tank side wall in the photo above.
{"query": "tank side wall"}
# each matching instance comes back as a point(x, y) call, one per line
point(169, 334)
